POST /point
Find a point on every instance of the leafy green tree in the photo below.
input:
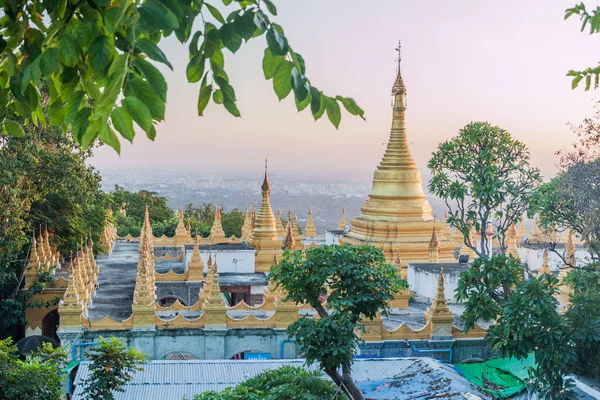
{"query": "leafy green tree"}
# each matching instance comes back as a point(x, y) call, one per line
point(284, 383)
point(135, 205)
point(112, 367)
point(359, 282)
point(201, 219)
point(95, 56)
point(484, 176)
point(45, 182)
point(38, 377)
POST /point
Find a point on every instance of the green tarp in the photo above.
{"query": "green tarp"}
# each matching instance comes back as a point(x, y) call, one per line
point(501, 377)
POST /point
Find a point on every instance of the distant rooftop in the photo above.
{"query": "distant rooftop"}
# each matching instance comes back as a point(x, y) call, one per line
point(385, 378)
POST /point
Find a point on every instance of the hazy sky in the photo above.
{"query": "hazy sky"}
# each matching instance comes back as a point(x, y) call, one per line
point(497, 61)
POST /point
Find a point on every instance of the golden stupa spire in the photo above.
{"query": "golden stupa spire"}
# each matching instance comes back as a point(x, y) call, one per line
point(309, 229)
point(290, 241)
point(33, 265)
point(396, 212)
point(296, 229)
point(264, 235)
point(342, 224)
point(247, 226)
point(545, 269)
point(195, 265)
point(434, 247)
point(280, 229)
point(181, 234)
point(439, 315)
point(512, 241)
point(217, 235)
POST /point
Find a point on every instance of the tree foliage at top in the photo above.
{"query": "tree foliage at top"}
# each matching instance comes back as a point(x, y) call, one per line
point(112, 367)
point(98, 58)
point(358, 283)
point(484, 176)
point(284, 383)
point(591, 20)
point(38, 377)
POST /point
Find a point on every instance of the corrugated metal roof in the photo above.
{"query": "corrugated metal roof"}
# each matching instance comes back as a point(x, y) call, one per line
point(178, 379)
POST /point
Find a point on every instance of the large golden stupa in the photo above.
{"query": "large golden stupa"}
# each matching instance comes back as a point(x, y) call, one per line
point(397, 217)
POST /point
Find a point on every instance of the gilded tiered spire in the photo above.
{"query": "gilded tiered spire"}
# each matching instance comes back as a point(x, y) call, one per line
point(280, 229)
point(247, 226)
point(217, 235)
point(264, 235)
point(434, 248)
point(290, 241)
point(396, 212)
point(195, 265)
point(342, 224)
point(522, 231)
point(512, 241)
point(181, 234)
point(33, 265)
point(439, 315)
point(545, 269)
point(570, 263)
point(310, 230)
point(296, 230)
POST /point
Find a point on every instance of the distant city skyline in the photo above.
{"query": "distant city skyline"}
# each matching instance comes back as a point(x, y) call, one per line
point(462, 61)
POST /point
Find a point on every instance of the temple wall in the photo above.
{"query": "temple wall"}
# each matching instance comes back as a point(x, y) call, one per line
point(241, 261)
point(424, 283)
point(534, 257)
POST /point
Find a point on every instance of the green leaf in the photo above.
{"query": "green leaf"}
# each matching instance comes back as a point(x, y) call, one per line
point(151, 134)
point(215, 13)
point(195, 68)
point(333, 111)
point(317, 105)
point(50, 61)
point(231, 107)
point(282, 81)
point(193, 47)
point(140, 113)
point(72, 107)
point(270, 6)
point(217, 58)
point(277, 42)
point(90, 134)
point(301, 105)
point(351, 106)
point(152, 51)
point(218, 96)
point(69, 51)
point(116, 16)
point(80, 123)
point(270, 63)
point(576, 81)
point(158, 16)
point(108, 136)
point(261, 21)
point(299, 85)
point(204, 96)
point(100, 52)
point(155, 79)
point(245, 24)
point(144, 92)
point(123, 122)
point(230, 37)
point(13, 128)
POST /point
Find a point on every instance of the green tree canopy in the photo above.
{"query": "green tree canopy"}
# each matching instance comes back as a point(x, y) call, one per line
point(284, 383)
point(359, 282)
point(99, 56)
point(484, 176)
point(112, 367)
point(38, 377)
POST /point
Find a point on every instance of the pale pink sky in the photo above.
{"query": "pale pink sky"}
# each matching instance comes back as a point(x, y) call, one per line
point(502, 62)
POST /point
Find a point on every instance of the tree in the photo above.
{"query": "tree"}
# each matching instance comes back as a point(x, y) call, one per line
point(95, 56)
point(38, 377)
point(359, 284)
point(591, 19)
point(284, 383)
point(112, 367)
point(201, 219)
point(135, 205)
point(484, 176)
point(45, 182)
